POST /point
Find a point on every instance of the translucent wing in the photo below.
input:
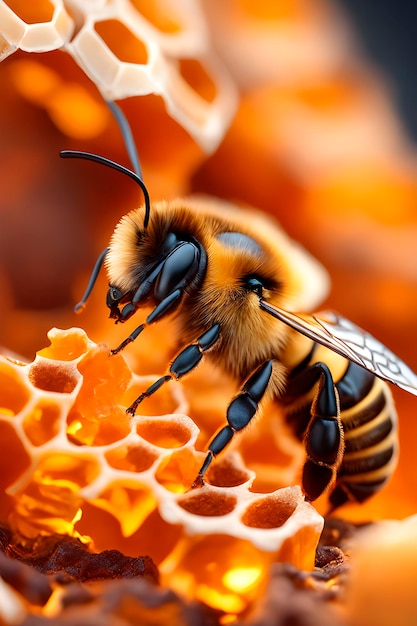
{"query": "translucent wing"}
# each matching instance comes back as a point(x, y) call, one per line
point(342, 336)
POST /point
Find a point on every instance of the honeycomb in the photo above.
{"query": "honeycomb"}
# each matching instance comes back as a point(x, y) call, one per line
point(133, 48)
point(74, 463)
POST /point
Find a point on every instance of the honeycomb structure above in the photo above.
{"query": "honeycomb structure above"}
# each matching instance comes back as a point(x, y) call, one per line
point(133, 48)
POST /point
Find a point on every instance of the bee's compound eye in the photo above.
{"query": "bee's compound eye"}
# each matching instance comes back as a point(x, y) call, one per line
point(239, 241)
point(255, 285)
point(113, 295)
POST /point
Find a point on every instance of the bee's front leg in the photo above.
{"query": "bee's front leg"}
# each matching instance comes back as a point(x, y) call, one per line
point(163, 308)
point(183, 363)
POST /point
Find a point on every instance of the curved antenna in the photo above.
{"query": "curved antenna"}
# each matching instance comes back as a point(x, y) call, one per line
point(96, 158)
point(136, 175)
point(127, 136)
point(80, 306)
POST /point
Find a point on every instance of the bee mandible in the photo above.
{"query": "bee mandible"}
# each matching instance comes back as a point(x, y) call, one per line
point(231, 280)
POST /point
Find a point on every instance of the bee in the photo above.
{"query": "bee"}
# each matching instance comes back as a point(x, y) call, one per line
point(232, 280)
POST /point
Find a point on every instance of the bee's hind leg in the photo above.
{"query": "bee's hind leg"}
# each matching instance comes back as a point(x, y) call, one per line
point(323, 437)
point(239, 413)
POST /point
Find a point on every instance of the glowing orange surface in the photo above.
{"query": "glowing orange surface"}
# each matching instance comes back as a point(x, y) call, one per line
point(82, 459)
point(317, 143)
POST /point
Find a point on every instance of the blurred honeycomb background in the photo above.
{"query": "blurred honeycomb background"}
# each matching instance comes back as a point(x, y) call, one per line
point(276, 105)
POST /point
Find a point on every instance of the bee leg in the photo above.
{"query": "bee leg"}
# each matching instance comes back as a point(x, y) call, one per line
point(133, 335)
point(240, 412)
point(163, 308)
point(323, 438)
point(183, 363)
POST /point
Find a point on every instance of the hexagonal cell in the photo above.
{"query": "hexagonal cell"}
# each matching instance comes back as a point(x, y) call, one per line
point(43, 422)
point(13, 392)
point(49, 501)
point(53, 376)
point(159, 14)
point(115, 78)
point(135, 458)
point(165, 433)
point(196, 76)
point(97, 430)
point(177, 471)
point(129, 501)
point(44, 509)
point(179, 28)
point(208, 503)
point(229, 471)
point(201, 97)
point(273, 511)
point(73, 471)
point(122, 42)
point(35, 26)
point(32, 12)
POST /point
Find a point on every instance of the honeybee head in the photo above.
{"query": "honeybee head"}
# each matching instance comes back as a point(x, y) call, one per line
point(156, 267)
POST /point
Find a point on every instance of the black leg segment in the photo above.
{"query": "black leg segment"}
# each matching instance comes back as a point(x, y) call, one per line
point(133, 335)
point(162, 309)
point(323, 438)
point(191, 356)
point(183, 363)
point(239, 414)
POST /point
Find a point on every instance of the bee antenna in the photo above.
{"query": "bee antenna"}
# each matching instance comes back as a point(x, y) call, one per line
point(96, 158)
point(127, 136)
point(130, 145)
point(80, 306)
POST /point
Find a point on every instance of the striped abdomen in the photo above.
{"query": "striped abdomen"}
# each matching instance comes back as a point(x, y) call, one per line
point(368, 418)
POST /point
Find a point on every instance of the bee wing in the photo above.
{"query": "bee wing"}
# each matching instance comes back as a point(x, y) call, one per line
point(342, 336)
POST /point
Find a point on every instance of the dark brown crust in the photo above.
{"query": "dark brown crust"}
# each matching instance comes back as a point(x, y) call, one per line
point(111, 586)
